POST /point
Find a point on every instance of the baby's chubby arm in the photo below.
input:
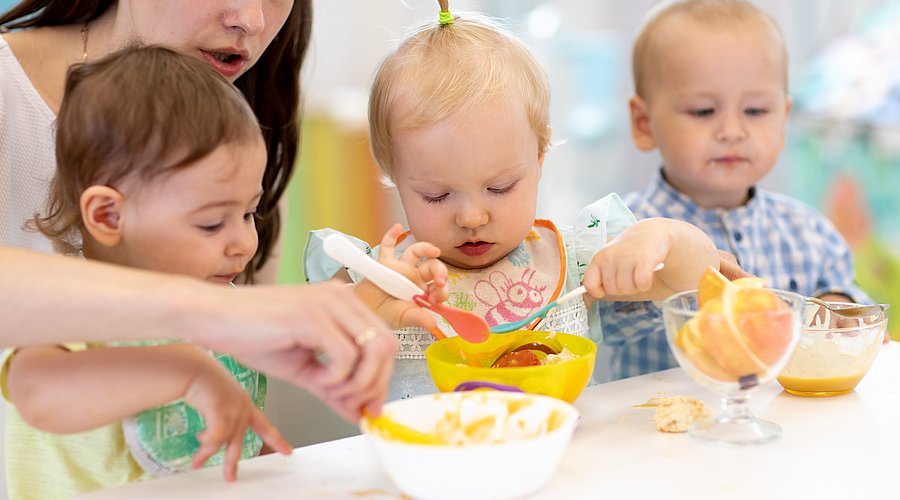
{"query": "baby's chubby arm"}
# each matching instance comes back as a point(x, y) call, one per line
point(623, 269)
point(63, 392)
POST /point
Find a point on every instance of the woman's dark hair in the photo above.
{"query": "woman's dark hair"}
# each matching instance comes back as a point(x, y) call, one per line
point(271, 86)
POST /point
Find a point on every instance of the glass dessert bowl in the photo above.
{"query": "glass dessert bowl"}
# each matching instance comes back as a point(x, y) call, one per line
point(731, 338)
point(834, 353)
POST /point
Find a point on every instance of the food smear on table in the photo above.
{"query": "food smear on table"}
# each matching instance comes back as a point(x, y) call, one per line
point(676, 413)
point(740, 328)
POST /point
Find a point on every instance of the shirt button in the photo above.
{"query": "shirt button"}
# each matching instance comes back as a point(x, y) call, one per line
point(793, 285)
point(738, 236)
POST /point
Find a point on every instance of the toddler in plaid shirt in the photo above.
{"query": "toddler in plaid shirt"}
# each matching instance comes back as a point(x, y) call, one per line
point(711, 95)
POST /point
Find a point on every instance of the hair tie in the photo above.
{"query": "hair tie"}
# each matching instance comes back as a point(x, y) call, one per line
point(445, 17)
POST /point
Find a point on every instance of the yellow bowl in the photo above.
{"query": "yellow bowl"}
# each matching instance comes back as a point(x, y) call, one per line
point(834, 353)
point(453, 361)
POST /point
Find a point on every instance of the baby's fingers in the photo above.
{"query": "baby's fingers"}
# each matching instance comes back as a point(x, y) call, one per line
point(643, 278)
point(419, 250)
point(233, 454)
point(268, 433)
point(434, 272)
point(593, 283)
point(389, 242)
point(210, 442)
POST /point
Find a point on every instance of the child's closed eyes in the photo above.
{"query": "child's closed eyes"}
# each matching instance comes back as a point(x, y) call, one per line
point(493, 190)
point(250, 217)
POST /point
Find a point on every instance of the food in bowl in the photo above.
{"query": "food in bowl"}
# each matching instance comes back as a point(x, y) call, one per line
point(834, 353)
point(501, 445)
point(739, 331)
point(532, 354)
point(454, 362)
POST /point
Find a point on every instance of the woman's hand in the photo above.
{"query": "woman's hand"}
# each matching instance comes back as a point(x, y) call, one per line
point(320, 337)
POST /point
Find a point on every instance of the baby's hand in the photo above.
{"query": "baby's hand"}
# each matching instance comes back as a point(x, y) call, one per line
point(229, 413)
point(625, 265)
point(420, 264)
point(729, 267)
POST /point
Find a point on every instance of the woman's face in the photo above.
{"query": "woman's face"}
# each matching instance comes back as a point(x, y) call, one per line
point(230, 35)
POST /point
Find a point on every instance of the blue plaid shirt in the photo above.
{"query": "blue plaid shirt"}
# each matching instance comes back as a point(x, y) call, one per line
point(786, 242)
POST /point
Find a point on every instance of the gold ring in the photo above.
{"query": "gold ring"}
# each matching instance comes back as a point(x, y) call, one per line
point(366, 335)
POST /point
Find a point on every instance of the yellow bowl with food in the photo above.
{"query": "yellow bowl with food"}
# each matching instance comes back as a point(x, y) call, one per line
point(484, 444)
point(834, 353)
point(548, 363)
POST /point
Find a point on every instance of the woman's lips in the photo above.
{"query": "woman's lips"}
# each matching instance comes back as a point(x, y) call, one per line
point(476, 248)
point(229, 68)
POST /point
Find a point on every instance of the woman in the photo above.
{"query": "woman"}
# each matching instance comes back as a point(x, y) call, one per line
point(260, 46)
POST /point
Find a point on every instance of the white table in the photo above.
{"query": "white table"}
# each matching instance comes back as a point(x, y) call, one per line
point(844, 447)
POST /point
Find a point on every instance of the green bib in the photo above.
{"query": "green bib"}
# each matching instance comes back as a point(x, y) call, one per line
point(163, 440)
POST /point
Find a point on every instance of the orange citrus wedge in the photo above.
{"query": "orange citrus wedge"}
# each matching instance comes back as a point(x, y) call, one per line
point(733, 334)
point(764, 322)
point(713, 284)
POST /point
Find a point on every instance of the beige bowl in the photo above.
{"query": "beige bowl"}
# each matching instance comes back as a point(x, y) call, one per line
point(833, 353)
point(517, 461)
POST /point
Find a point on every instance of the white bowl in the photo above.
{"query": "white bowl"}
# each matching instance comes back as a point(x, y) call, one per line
point(511, 468)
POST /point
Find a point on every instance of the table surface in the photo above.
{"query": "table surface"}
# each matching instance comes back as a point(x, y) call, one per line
point(837, 447)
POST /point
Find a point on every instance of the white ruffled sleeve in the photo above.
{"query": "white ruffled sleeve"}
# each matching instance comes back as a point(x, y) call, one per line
point(317, 266)
point(595, 225)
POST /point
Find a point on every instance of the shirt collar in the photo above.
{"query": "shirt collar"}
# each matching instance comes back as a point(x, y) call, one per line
point(659, 186)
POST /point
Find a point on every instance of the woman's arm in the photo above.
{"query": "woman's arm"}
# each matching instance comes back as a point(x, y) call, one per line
point(280, 330)
point(51, 299)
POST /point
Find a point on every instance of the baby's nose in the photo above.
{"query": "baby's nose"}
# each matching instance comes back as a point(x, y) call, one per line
point(730, 129)
point(472, 216)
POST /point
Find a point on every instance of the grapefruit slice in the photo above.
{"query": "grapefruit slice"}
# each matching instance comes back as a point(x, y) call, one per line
point(713, 284)
point(764, 322)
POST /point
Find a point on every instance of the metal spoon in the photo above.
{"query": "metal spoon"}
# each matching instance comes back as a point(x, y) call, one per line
point(850, 312)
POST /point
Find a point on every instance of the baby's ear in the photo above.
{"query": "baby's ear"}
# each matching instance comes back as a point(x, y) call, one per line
point(102, 209)
point(640, 124)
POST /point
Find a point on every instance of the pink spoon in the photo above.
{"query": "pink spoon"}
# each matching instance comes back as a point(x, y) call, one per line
point(468, 325)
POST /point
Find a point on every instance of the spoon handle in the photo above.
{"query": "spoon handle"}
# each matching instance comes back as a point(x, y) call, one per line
point(578, 292)
point(342, 250)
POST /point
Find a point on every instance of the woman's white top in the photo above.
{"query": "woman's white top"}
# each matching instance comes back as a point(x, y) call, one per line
point(27, 154)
